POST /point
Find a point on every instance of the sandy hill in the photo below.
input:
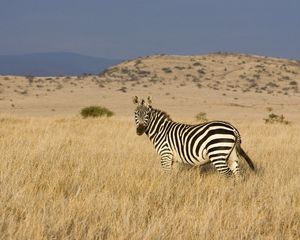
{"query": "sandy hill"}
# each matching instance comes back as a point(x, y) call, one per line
point(230, 72)
point(230, 86)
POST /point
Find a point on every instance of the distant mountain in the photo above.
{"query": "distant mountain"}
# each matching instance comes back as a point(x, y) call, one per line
point(53, 64)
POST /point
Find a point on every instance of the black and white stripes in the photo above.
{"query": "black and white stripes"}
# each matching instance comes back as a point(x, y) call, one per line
point(217, 142)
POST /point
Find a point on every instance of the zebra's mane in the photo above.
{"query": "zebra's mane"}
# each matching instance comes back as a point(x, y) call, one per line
point(166, 115)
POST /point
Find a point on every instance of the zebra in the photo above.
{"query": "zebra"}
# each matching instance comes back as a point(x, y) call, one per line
point(215, 142)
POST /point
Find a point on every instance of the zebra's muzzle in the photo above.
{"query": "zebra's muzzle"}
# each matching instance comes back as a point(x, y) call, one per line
point(140, 129)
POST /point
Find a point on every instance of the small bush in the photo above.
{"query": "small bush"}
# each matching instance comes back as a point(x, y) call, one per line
point(96, 111)
point(179, 67)
point(201, 117)
point(137, 62)
point(269, 109)
point(274, 118)
point(167, 70)
point(201, 71)
point(30, 79)
point(196, 64)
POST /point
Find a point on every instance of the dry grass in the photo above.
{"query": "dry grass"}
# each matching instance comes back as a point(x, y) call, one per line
point(95, 179)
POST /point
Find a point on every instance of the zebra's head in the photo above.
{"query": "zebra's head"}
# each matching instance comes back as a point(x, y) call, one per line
point(142, 114)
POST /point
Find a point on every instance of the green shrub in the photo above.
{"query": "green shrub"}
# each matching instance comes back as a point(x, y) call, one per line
point(95, 111)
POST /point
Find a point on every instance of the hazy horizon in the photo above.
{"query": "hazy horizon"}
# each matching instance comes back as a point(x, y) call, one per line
point(128, 29)
point(56, 53)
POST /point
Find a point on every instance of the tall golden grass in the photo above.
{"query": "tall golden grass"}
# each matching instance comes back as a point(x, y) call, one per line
point(95, 179)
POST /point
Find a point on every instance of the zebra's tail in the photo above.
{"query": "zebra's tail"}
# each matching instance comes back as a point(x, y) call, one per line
point(242, 153)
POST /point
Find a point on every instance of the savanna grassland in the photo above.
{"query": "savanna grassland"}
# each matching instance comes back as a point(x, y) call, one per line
point(73, 178)
point(65, 177)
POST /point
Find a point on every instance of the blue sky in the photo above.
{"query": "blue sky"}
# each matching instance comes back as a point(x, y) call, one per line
point(130, 28)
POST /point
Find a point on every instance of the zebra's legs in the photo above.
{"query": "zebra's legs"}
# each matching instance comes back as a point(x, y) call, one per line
point(222, 166)
point(166, 161)
point(233, 163)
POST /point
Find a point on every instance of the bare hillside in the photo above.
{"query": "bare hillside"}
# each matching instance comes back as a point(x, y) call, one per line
point(230, 72)
point(226, 86)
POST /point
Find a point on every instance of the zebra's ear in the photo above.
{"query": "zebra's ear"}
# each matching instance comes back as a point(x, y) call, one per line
point(135, 100)
point(149, 101)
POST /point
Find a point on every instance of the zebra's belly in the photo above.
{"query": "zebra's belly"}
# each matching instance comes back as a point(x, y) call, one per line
point(190, 160)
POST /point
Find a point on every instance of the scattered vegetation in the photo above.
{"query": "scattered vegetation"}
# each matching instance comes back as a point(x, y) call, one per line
point(258, 75)
point(167, 70)
point(137, 62)
point(179, 67)
point(201, 117)
point(23, 92)
point(30, 79)
point(96, 111)
point(201, 71)
point(294, 83)
point(123, 89)
point(108, 72)
point(274, 118)
point(196, 64)
point(144, 73)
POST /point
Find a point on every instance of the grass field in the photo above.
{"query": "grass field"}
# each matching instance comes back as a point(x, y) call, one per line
point(78, 178)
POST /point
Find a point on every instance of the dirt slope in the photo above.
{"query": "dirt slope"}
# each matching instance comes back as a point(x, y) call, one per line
point(227, 86)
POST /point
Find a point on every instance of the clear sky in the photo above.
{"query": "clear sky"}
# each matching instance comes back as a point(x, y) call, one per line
point(130, 28)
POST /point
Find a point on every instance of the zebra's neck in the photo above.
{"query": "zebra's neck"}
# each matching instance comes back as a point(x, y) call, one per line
point(158, 121)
